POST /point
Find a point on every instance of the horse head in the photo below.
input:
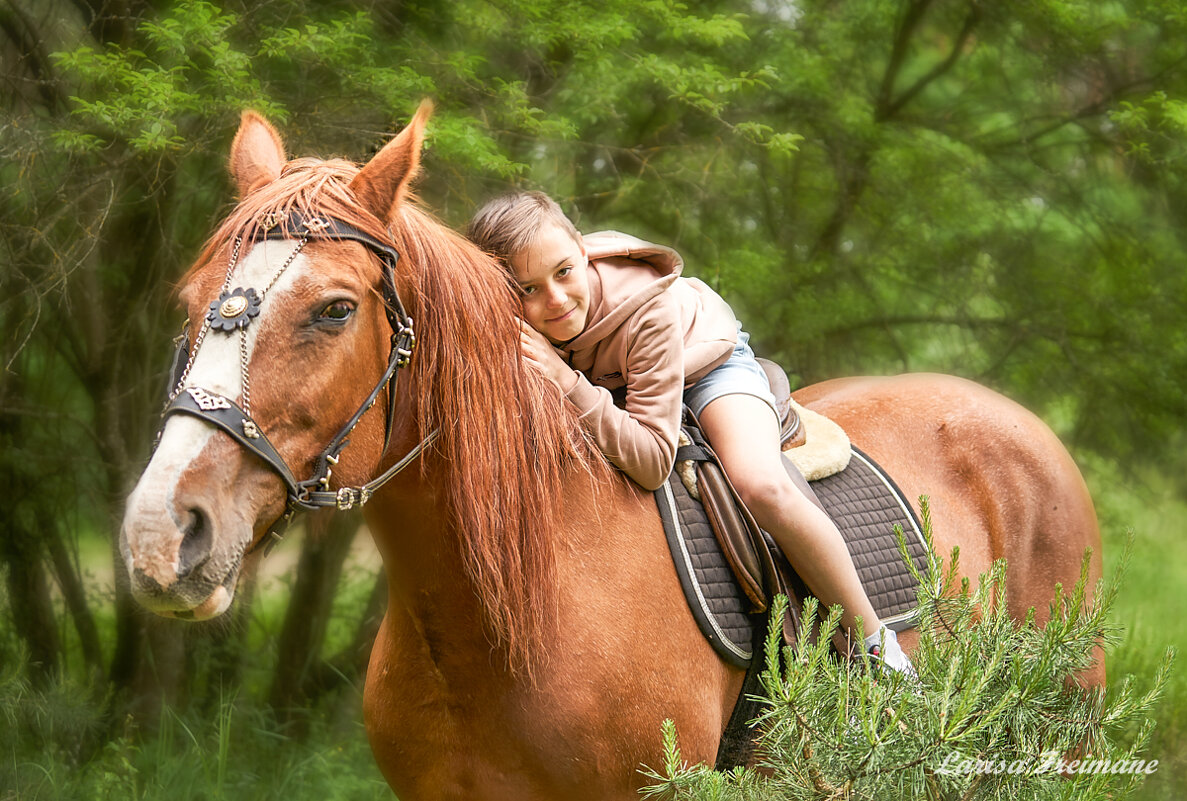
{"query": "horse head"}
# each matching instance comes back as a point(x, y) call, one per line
point(294, 337)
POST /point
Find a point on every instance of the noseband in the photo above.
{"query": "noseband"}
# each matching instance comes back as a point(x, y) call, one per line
point(234, 311)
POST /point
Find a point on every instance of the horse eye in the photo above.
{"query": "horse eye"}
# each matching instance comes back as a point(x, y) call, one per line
point(337, 311)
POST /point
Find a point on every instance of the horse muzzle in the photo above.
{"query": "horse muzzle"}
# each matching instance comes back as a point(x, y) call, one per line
point(176, 571)
point(181, 541)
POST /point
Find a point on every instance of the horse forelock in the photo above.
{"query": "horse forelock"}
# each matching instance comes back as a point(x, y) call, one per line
point(513, 453)
point(312, 187)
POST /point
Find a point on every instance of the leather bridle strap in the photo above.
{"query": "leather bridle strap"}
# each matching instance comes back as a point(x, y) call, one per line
point(225, 414)
point(403, 336)
point(345, 498)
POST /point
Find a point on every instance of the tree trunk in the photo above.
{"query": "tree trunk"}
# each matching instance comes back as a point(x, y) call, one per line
point(74, 594)
point(350, 664)
point(30, 605)
point(21, 549)
point(328, 537)
point(160, 677)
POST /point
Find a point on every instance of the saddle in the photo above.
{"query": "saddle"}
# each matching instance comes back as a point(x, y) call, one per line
point(730, 569)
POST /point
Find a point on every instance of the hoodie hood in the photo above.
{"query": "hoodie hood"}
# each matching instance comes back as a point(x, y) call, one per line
point(641, 270)
point(651, 332)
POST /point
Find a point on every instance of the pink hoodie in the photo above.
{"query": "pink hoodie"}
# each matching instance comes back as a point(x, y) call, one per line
point(649, 330)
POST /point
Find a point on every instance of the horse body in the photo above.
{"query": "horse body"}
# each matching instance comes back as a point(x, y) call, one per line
point(536, 636)
point(626, 653)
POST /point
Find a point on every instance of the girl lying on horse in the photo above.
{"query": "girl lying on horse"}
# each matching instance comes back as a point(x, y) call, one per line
point(608, 311)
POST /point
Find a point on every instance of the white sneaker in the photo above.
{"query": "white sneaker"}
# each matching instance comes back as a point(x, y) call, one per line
point(883, 646)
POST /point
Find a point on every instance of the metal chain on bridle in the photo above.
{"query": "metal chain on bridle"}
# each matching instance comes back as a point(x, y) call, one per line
point(234, 311)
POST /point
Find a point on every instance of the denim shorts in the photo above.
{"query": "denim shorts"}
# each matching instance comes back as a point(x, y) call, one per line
point(739, 375)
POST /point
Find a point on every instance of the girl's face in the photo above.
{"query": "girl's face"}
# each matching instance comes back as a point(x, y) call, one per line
point(553, 281)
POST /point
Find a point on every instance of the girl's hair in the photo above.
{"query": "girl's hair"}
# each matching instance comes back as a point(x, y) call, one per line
point(510, 223)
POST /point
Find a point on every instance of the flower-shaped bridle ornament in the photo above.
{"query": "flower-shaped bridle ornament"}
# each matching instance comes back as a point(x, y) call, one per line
point(234, 309)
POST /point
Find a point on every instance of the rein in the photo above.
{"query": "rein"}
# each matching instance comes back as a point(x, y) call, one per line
point(234, 310)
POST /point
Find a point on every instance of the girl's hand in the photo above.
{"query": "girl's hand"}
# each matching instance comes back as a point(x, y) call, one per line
point(538, 352)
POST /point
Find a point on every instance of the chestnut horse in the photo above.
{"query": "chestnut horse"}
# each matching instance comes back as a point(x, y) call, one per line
point(536, 636)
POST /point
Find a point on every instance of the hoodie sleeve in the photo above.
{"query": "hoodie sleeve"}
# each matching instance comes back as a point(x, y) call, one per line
point(641, 440)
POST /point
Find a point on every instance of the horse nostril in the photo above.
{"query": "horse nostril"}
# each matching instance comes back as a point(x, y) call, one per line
point(195, 544)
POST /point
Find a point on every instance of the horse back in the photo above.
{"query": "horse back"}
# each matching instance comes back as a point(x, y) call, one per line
point(999, 483)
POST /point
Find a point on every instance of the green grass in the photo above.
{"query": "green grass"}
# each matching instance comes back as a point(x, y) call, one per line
point(1149, 608)
point(54, 742)
point(237, 754)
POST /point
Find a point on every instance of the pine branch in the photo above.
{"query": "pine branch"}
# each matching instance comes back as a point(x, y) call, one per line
point(993, 692)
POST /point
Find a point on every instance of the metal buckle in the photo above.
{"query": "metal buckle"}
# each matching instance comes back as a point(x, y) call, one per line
point(185, 333)
point(348, 496)
point(404, 343)
point(315, 225)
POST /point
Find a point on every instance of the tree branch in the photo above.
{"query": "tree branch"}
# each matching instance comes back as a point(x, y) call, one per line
point(853, 184)
point(1090, 110)
point(887, 109)
point(898, 52)
point(21, 31)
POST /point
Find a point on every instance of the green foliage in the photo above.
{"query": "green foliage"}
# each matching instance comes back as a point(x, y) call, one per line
point(57, 724)
point(991, 189)
point(50, 753)
point(990, 717)
point(188, 68)
point(62, 741)
point(1147, 515)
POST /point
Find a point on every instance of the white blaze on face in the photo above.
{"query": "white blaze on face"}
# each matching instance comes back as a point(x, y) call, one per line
point(216, 368)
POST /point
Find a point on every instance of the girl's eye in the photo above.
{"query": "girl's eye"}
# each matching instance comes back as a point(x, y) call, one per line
point(563, 272)
point(527, 290)
point(337, 311)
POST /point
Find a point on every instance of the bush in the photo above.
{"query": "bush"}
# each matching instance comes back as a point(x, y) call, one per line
point(995, 714)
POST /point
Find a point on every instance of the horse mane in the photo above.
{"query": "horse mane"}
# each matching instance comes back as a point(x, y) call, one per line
point(507, 439)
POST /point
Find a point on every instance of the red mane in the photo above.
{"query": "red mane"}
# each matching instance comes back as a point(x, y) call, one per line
point(507, 436)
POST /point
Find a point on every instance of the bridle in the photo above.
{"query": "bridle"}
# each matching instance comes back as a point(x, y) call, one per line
point(234, 311)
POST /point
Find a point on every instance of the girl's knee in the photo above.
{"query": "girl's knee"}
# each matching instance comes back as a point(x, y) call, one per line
point(769, 493)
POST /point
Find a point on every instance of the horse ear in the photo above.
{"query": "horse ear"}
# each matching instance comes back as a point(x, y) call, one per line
point(257, 153)
point(382, 184)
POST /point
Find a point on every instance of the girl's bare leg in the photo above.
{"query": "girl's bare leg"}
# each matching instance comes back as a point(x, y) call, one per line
point(744, 432)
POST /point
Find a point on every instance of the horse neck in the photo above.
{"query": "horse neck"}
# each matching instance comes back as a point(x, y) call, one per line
point(432, 593)
point(502, 478)
point(425, 569)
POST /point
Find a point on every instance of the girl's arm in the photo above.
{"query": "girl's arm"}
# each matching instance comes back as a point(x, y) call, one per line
point(641, 439)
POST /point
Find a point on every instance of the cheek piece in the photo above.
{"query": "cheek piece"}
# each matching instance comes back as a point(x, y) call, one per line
point(234, 311)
